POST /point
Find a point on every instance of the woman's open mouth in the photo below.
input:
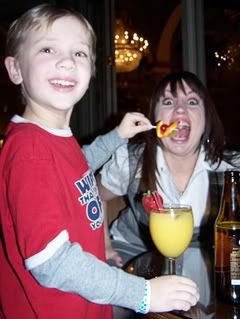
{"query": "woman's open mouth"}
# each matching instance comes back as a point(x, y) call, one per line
point(183, 131)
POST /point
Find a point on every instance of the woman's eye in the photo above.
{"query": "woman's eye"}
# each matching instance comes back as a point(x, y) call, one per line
point(193, 102)
point(46, 50)
point(167, 102)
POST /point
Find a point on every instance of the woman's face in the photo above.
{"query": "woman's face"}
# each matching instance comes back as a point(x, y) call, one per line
point(188, 110)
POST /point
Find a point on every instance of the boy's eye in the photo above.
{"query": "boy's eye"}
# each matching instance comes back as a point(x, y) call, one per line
point(81, 54)
point(46, 50)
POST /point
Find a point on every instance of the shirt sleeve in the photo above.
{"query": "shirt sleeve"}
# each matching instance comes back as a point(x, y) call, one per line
point(115, 173)
point(100, 150)
point(35, 200)
point(71, 269)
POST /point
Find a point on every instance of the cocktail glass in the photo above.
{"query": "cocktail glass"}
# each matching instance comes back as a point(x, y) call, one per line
point(171, 229)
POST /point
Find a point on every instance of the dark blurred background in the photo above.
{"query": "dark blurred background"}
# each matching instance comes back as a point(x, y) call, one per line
point(196, 35)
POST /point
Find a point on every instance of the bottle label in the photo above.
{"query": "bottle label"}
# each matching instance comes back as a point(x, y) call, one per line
point(227, 251)
point(235, 266)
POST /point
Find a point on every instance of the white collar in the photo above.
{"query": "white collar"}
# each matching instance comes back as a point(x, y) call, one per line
point(201, 164)
point(59, 132)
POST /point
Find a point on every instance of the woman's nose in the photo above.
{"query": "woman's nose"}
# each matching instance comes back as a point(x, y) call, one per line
point(180, 108)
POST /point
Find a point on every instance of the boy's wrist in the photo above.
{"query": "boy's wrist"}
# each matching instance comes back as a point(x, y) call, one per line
point(124, 139)
point(145, 302)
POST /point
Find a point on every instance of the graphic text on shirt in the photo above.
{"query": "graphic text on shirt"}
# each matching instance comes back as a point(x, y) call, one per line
point(89, 198)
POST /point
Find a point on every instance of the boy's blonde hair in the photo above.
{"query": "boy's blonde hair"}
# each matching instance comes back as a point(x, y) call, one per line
point(35, 18)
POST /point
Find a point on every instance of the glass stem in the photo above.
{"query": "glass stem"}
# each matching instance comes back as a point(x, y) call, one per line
point(171, 266)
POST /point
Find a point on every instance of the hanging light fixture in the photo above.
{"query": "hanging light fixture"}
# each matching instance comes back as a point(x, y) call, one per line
point(129, 48)
point(229, 57)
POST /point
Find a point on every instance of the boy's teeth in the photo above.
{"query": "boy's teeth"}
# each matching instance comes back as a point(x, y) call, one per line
point(62, 82)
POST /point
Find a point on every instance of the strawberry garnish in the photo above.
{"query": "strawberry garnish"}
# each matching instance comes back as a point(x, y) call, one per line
point(151, 200)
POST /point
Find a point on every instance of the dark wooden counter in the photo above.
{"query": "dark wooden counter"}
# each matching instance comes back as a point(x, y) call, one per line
point(198, 264)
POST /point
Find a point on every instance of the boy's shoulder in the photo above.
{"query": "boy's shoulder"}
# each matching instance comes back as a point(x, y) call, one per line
point(26, 140)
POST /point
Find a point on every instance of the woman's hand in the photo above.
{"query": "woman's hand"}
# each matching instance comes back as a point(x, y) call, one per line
point(109, 252)
point(113, 255)
point(173, 293)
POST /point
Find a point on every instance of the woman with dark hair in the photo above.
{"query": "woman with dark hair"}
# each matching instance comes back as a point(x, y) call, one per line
point(186, 168)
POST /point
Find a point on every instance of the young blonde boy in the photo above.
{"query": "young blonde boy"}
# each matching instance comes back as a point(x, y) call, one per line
point(52, 251)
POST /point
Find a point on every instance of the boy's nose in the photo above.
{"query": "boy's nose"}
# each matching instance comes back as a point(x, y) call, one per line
point(66, 62)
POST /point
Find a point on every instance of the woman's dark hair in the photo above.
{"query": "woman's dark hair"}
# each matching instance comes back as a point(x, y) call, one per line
point(212, 139)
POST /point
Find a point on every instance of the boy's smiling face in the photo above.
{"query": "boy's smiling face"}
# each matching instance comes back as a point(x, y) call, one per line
point(54, 67)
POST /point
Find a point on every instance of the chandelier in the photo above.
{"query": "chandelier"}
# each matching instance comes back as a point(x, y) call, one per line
point(230, 57)
point(129, 48)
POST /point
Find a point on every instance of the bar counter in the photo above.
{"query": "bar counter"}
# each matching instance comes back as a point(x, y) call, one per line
point(196, 263)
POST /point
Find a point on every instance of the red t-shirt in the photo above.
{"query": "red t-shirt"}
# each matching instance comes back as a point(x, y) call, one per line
point(46, 187)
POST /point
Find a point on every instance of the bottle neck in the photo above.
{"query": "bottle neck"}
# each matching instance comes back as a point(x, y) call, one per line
point(230, 203)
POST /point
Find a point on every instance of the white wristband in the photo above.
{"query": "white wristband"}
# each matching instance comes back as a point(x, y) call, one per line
point(145, 303)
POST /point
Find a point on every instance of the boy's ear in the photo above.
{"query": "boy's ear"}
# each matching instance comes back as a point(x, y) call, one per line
point(13, 69)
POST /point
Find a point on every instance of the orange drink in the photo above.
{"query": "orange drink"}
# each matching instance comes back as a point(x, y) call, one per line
point(171, 229)
point(171, 233)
